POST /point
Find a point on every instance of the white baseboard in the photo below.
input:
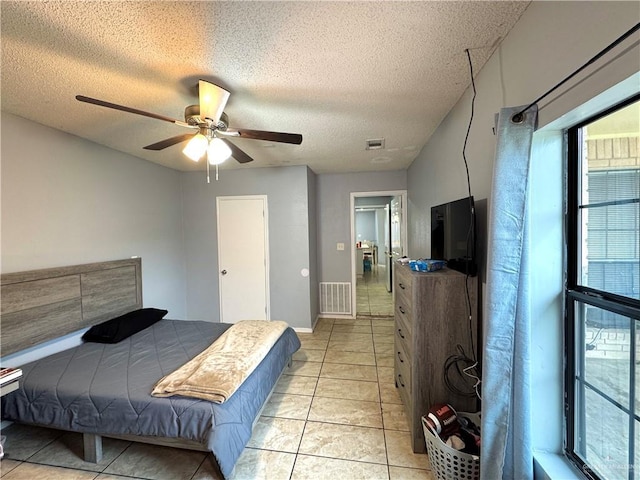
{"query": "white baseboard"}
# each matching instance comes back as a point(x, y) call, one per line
point(303, 330)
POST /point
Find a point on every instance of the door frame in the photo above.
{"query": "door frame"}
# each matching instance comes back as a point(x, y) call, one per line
point(403, 232)
point(265, 206)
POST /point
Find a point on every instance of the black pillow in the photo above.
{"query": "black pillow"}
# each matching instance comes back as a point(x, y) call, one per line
point(119, 328)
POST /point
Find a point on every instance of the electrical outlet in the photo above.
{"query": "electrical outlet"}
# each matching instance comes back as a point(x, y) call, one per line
point(340, 246)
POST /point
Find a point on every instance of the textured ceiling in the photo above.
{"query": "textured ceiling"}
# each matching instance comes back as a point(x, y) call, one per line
point(338, 73)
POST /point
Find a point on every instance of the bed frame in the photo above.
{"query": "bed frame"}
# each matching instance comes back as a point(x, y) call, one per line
point(41, 305)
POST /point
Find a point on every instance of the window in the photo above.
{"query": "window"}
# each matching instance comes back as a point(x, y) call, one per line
point(603, 293)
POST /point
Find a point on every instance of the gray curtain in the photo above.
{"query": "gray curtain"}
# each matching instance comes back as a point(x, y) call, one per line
point(506, 420)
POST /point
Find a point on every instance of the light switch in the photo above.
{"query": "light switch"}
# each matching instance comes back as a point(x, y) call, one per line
point(340, 246)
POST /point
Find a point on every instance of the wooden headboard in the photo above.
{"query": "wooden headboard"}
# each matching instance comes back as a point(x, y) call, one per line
point(40, 305)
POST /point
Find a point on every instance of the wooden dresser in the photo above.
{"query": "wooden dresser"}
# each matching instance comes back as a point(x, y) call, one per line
point(431, 319)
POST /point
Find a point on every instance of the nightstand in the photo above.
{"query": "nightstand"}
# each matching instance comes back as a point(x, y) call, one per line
point(4, 389)
point(9, 387)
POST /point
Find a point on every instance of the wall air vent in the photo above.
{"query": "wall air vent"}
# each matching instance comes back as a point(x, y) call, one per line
point(335, 297)
point(375, 144)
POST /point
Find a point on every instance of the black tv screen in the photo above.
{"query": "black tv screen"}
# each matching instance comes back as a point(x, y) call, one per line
point(453, 234)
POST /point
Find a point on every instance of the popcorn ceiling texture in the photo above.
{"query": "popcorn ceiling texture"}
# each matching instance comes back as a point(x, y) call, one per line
point(336, 72)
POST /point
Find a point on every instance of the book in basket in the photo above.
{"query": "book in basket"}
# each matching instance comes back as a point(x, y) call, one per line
point(8, 374)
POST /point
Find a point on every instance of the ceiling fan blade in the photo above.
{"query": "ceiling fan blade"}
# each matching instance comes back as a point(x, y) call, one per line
point(293, 138)
point(213, 99)
point(237, 153)
point(169, 142)
point(115, 106)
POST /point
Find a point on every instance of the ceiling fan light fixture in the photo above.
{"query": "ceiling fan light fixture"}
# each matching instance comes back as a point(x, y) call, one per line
point(209, 119)
point(196, 147)
point(218, 151)
point(212, 100)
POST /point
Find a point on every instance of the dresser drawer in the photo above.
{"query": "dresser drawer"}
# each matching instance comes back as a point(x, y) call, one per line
point(402, 360)
point(405, 395)
point(402, 363)
point(403, 324)
point(403, 285)
point(403, 313)
point(403, 380)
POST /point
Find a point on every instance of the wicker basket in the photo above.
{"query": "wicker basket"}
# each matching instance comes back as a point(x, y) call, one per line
point(448, 463)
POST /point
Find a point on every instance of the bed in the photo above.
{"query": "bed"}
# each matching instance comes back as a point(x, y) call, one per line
point(105, 389)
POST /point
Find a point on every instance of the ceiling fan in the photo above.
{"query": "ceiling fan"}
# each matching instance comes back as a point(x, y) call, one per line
point(212, 125)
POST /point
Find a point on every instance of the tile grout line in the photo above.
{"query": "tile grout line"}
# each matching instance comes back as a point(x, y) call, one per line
point(314, 395)
point(384, 430)
point(379, 403)
point(304, 428)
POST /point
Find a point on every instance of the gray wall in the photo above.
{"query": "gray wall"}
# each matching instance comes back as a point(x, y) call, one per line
point(550, 40)
point(287, 194)
point(371, 201)
point(313, 244)
point(366, 226)
point(66, 200)
point(334, 216)
point(69, 201)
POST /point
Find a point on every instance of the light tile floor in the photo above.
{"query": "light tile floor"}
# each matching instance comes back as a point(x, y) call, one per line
point(334, 414)
point(372, 297)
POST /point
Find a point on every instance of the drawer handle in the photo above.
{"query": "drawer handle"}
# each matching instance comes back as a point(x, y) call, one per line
point(400, 358)
point(400, 380)
point(401, 309)
point(401, 285)
point(400, 333)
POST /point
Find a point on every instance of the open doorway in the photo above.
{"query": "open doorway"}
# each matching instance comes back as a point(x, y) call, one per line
point(378, 238)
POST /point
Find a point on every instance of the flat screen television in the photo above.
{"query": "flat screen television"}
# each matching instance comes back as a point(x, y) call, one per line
point(453, 235)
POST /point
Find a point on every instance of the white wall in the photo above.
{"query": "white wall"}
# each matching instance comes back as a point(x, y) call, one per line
point(550, 41)
point(69, 201)
point(382, 225)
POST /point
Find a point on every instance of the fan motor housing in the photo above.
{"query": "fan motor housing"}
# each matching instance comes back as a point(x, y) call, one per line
point(192, 117)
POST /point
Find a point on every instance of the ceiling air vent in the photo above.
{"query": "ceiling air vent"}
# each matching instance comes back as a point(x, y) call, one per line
point(375, 144)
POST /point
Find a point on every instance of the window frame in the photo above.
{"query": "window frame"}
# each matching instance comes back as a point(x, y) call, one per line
point(575, 293)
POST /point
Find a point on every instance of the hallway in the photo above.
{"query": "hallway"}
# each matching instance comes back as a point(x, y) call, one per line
point(372, 298)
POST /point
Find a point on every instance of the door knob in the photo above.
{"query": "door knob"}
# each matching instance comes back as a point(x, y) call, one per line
point(223, 272)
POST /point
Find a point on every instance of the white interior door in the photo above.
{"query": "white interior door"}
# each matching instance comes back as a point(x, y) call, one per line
point(243, 271)
point(387, 247)
point(397, 242)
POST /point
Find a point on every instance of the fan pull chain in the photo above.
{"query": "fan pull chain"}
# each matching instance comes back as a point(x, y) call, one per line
point(208, 179)
point(216, 172)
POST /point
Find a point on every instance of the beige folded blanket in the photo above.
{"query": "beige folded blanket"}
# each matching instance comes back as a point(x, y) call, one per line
point(219, 370)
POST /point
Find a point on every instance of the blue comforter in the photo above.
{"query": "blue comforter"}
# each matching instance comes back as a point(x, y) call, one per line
point(105, 389)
